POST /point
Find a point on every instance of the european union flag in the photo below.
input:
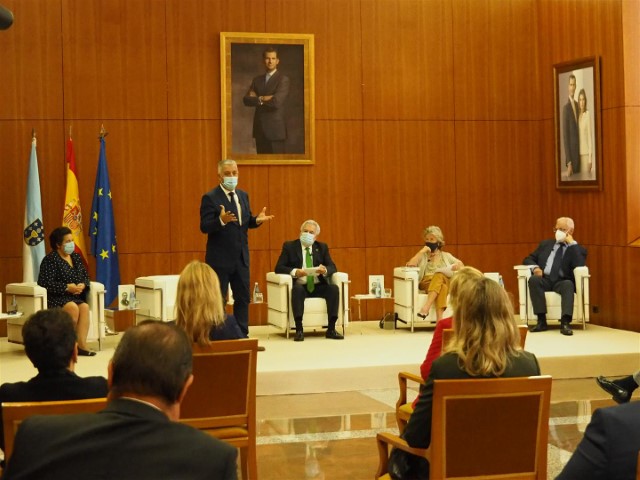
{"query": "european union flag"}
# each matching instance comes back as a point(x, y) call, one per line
point(103, 231)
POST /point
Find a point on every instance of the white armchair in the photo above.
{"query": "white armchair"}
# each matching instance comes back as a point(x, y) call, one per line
point(580, 301)
point(156, 295)
point(30, 298)
point(280, 313)
point(409, 299)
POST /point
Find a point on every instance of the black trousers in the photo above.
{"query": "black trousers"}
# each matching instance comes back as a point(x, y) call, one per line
point(329, 292)
point(539, 285)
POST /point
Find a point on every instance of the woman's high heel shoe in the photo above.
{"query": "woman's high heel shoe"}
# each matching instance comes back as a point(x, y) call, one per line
point(422, 316)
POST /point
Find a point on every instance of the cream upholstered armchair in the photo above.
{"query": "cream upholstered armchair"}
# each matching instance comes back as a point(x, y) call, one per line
point(30, 297)
point(315, 309)
point(580, 300)
point(409, 299)
point(156, 295)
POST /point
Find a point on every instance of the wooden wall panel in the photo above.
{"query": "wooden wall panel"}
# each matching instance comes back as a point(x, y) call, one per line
point(495, 174)
point(137, 159)
point(410, 181)
point(114, 61)
point(407, 59)
point(496, 65)
point(337, 34)
point(31, 73)
point(330, 192)
point(597, 31)
point(193, 51)
point(137, 265)
point(632, 154)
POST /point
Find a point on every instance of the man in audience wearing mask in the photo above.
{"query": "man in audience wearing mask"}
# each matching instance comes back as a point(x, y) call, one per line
point(138, 435)
point(552, 265)
point(307, 253)
point(225, 216)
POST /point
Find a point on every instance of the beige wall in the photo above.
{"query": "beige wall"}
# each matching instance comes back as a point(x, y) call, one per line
point(428, 112)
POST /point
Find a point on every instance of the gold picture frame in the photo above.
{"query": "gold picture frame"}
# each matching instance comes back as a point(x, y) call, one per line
point(578, 132)
point(272, 122)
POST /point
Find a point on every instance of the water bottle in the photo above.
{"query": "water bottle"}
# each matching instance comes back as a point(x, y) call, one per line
point(13, 308)
point(257, 294)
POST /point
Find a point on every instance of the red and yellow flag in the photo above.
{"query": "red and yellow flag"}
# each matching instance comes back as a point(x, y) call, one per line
point(72, 216)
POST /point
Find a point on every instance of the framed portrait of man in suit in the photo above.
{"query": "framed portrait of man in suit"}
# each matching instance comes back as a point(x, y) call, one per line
point(267, 89)
point(577, 125)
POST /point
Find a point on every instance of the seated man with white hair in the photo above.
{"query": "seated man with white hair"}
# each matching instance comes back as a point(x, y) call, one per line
point(305, 253)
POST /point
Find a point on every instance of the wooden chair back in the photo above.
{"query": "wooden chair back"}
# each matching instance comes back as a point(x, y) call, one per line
point(222, 399)
point(447, 334)
point(638, 467)
point(13, 413)
point(485, 427)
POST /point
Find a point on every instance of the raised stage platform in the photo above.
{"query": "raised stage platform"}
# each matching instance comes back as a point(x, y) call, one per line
point(370, 358)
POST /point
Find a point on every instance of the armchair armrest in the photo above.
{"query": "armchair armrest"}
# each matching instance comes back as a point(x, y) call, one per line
point(384, 440)
point(339, 277)
point(406, 273)
point(580, 272)
point(279, 278)
point(523, 270)
point(402, 383)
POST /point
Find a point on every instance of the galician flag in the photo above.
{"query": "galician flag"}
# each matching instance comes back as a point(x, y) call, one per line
point(102, 230)
point(72, 215)
point(33, 246)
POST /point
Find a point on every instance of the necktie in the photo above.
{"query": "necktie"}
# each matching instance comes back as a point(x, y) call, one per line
point(554, 275)
point(234, 207)
point(309, 263)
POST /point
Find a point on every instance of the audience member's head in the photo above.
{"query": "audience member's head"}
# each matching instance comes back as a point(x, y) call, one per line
point(458, 280)
point(153, 360)
point(199, 304)
point(50, 339)
point(485, 330)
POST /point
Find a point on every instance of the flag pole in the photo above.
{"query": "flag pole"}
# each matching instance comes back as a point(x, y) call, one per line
point(33, 133)
point(103, 132)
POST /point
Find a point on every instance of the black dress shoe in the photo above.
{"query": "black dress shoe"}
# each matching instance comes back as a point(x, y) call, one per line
point(540, 327)
point(261, 349)
point(619, 394)
point(334, 335)
point(565, 329)
point(86, 353)
point(299, 336)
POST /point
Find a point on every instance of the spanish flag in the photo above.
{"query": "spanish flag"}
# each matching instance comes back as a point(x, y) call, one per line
point(72, 216)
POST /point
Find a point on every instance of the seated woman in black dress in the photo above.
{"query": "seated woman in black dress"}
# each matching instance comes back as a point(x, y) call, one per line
point(63, 274)
point(486, 344)
point(199, 306)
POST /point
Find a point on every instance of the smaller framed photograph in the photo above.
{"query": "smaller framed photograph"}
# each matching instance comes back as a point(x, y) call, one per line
point(578, 131)
point(376, 285)
point(126, 297)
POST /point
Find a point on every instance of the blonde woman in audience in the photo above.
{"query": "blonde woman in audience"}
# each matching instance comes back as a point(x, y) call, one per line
point(486, 344)
point(199, 306)
point(436, 268)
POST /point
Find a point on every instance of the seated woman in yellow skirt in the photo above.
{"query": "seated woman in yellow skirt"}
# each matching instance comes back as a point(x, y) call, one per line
point(436, 269)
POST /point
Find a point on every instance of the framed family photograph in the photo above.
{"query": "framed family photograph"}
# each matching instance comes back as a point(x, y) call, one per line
point(577, 123)
point(267, 89)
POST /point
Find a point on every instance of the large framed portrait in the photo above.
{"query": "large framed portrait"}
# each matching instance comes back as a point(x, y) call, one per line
point(577, 123)
point(267, 88)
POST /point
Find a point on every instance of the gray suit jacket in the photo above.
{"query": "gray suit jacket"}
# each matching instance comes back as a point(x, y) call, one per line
point(128, 440)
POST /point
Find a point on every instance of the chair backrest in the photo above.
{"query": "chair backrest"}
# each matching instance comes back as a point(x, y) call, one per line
point(470, 439)
point(223, 393)
point(13, 413)
point(447, 333)
point(638, 467)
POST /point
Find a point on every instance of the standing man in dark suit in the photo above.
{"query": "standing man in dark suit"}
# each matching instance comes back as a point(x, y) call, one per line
point(570, 132)
point(552, 265)
point(609, 448)
point(303, 253)
point(267, 94)
point(225, 216)
point(51, 344)
point(137, 435)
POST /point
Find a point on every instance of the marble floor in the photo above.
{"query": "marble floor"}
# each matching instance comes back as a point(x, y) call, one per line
point(332, 435)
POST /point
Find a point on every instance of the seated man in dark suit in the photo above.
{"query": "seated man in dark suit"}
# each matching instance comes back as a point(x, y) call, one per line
point(51, 344)
point(303, 253)
point(609, 448)
point(552, 271)
point(137, 435)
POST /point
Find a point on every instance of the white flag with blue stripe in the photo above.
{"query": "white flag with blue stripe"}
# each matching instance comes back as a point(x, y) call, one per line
point(33, 234)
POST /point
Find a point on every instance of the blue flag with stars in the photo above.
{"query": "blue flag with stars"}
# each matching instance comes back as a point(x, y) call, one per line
point(103, 231)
